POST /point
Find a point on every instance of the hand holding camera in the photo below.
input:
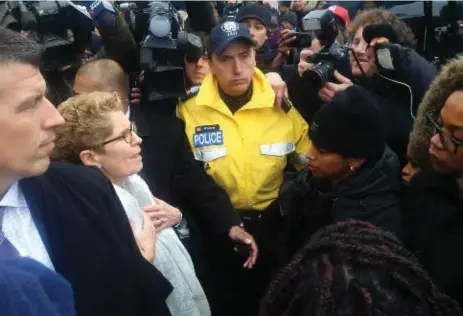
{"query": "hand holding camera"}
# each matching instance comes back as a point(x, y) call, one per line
point(330, 89)
point(304, 65)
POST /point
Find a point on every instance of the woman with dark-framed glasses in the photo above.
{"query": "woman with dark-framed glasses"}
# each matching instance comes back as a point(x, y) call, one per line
point(97, 133)
point(432, 203)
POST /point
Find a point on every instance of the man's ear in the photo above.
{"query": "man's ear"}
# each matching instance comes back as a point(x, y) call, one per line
point(89, 158)
point(211, 65)
point(254, 52)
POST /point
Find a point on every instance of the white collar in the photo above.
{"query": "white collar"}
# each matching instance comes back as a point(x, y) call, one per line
point(13, 197)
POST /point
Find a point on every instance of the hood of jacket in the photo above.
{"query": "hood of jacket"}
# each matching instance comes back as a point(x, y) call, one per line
point(450, 79)
point(374, 177)
point(371, 194)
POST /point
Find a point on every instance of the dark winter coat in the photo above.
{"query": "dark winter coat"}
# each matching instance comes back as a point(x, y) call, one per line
point(433, 213)
point(371, 195)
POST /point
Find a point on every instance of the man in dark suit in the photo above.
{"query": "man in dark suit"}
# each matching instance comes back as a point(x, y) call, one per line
point(66, 217)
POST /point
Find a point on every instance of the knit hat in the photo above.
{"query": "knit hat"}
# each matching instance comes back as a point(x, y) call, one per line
point(289, 17)
point(350, 125)
point(254, 11)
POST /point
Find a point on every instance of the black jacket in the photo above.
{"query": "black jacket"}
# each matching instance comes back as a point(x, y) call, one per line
point(371, 195)
point(264, 58)
point(88, 237)
point(433, 214)
point(174, 176)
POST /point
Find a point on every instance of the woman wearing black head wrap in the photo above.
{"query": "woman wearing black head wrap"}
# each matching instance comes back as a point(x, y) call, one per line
point(352, 173)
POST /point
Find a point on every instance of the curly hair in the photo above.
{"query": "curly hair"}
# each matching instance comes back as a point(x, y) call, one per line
point(355, 268)
point(86, 124)
point(380, 16)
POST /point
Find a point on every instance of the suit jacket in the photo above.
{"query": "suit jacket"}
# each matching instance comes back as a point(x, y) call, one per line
point(174, 176)
point(28, 288)
point(90, 242)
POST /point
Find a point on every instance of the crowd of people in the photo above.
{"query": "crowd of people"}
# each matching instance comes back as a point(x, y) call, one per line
point(258, 192)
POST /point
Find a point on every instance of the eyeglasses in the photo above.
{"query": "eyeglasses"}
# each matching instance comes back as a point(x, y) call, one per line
point(449, 142)
point(126, 135)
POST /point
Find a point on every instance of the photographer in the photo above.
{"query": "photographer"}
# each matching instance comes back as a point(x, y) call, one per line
point(291, 45)
point(398, 79)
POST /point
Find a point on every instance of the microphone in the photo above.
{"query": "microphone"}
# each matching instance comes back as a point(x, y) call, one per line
point(373, 31)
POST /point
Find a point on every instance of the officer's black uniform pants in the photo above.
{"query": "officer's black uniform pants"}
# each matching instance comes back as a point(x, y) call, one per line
point(232, 289)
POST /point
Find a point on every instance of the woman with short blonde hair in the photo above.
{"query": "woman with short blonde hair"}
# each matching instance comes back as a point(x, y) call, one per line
point(97, 133)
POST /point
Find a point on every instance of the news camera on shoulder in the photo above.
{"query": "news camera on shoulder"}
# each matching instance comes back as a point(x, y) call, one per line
point(163, 48)
point(61, 27)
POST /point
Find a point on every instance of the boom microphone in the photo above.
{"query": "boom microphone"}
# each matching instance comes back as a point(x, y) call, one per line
point(373, 31)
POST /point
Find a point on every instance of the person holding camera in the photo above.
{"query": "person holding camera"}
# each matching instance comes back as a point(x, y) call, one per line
point(352, 173)
point(384, 63)
point(245, 143)
point(332, 37)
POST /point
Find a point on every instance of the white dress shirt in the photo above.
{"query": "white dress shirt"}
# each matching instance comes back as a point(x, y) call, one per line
point(19, 227)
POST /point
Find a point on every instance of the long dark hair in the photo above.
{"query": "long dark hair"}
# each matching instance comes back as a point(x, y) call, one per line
point(355, 268)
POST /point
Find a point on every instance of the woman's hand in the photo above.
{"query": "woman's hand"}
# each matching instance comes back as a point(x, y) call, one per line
point(162, 215)
point(146, 238)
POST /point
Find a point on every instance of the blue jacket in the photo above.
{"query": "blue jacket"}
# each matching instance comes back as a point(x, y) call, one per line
point(28, 288)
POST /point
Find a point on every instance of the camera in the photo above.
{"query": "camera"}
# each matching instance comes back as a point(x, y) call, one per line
point(324, 25)
point(163, 49)
point(61, 27)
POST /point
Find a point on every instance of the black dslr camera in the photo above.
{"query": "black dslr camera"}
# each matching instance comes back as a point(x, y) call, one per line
point(323, 24)
point(163, 48)
point(62, 27)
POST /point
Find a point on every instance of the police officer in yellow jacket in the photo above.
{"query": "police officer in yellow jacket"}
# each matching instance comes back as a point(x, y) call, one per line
point(245, 143)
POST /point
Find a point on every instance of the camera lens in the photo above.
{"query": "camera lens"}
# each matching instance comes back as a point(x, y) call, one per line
point(320, 74)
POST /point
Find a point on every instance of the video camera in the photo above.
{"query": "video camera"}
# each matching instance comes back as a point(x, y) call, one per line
point(163, 48)
point(62, 27)
point(323, 24)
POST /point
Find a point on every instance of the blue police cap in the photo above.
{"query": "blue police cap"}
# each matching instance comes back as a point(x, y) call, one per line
point(222, 35)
